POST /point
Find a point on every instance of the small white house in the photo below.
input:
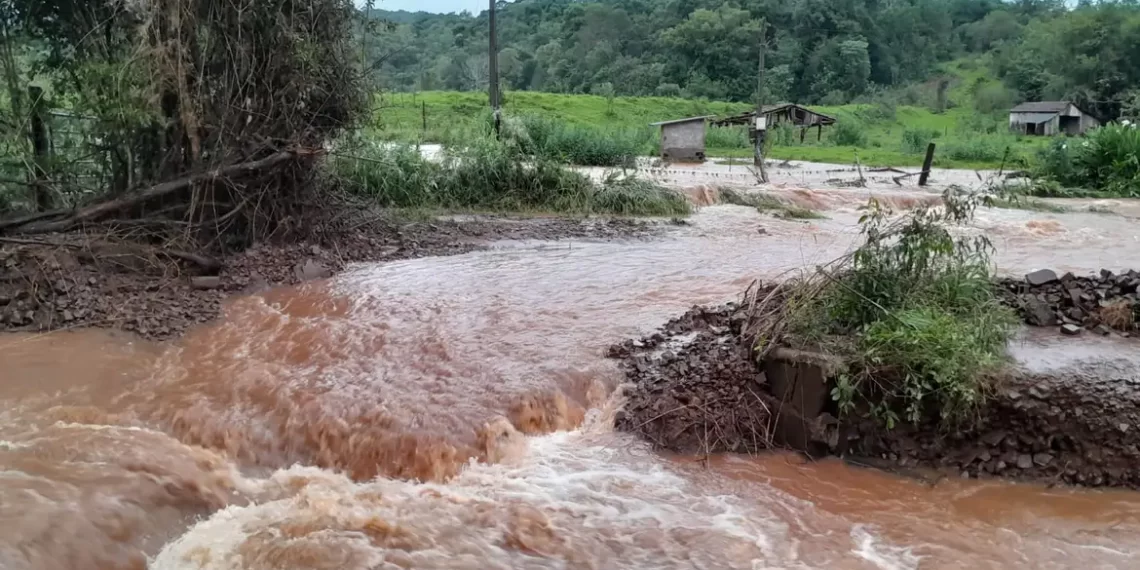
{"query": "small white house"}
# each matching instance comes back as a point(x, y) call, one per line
point(1048, 118)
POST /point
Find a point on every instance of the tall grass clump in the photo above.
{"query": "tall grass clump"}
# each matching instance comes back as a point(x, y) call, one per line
point(849, 131)
point(984, 149)
point(914, 313)
point(728, 138)
point(627, 195)
point(1107, 161)
point(915, 141)
point(586, 146)
point(487, 174)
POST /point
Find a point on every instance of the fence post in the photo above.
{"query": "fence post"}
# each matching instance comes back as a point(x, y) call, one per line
point(41, 149)
point(425, 115)
point(926, 165)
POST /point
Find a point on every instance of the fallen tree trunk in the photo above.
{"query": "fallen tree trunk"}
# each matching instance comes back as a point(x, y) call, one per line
point(94, 211)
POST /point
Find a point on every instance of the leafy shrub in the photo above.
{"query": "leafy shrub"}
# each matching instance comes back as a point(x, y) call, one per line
point(489, 174)
point(917, 314)
point(1107, 161)
point(728, 137)
point(784, 134)
point(914, 141)
point(849, 131)
point(552, 139)
point(984, 148)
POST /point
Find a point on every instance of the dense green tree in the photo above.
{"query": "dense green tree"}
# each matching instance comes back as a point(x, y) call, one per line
point(837, 50)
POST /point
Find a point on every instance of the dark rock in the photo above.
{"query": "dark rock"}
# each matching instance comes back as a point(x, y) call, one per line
point(1103, 330)
point(993, 438)
point(1105, 275)
point(1024, 461)
point(1039, 313)
point(1071, 330)
point(311, 270)
point(1075, 297)
point(1042, 277)
point(1076, 314)
point(204, 282)
point(1042, 459)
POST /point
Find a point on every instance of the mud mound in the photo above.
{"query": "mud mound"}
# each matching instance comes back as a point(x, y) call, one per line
point(695, 389)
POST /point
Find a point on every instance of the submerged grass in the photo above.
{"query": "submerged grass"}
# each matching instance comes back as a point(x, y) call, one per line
point(766, 203)
point(487, 174)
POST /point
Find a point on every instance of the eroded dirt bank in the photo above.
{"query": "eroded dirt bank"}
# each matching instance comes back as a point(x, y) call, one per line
point(696, 390)
point(67, 281)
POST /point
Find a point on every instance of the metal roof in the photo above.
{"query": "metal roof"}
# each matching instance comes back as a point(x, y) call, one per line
point(1042, 107)
point(1034, 118)
point(676, 121)
point(773, 109)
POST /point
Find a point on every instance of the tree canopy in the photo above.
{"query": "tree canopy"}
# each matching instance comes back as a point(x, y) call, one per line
point(818, 50)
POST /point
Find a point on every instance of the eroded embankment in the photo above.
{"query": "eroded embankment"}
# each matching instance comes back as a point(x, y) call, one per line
point(67, 281)
point(697, 390)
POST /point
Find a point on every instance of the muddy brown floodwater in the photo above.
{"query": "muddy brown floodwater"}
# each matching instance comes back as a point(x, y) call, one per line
point(457, 412)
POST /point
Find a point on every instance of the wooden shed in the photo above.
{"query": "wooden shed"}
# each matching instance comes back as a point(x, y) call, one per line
point(1048, 118)
point(683, 140)
point(784, 113)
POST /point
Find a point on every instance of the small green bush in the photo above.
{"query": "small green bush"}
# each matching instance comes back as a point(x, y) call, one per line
point(553, 139)
point(983, 148)
point(915, 313)
point(728, 138)
point(849, 131)
point(914, 141)
point(1107, 161)
point(488, 174)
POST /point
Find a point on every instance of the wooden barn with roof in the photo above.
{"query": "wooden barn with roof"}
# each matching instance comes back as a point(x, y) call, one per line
point(784, 113)
point(1048, 118)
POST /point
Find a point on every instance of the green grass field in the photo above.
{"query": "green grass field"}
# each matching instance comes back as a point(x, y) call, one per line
point(878, 134)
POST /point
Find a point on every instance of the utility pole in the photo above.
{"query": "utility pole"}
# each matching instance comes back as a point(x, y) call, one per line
point(760, 126)
point(493, 68)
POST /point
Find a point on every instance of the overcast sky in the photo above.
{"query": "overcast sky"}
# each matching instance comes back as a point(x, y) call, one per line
point(437, 6)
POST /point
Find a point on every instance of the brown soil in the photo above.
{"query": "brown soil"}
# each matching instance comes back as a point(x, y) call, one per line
point(68, 281)
point(1080, 427)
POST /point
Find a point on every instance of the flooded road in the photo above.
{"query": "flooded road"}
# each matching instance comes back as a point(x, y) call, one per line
point(457, 413)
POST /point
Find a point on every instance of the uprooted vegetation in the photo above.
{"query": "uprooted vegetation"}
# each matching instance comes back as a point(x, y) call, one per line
point(912, 312)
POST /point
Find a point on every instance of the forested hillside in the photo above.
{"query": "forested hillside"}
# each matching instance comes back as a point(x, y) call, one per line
point(820, 51)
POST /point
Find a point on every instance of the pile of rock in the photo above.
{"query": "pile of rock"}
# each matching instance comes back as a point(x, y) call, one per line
point(694, 387)
point(1101, 303)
